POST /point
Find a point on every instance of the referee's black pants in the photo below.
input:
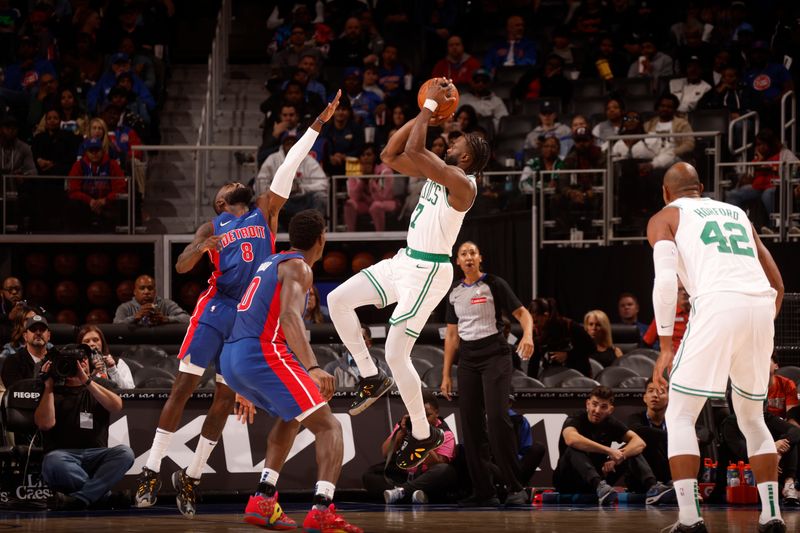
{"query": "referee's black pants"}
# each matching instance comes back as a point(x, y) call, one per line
point(484, 383)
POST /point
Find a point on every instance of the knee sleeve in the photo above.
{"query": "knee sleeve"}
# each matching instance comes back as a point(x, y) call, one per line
point(750, 417)
point(682, 413)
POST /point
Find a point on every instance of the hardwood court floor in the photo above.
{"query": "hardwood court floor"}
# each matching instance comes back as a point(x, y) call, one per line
point(377, 518)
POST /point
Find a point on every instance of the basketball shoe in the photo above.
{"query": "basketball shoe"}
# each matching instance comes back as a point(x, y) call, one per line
point(185, 498)
point(267, 513)
point(328, 521)
point(147, 487)
point(369, 390)
point(413, 452)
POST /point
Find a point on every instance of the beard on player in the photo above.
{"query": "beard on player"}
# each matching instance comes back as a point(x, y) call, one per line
point(239, 195)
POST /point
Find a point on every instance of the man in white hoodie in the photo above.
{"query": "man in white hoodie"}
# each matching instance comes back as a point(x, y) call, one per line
point(310, 186)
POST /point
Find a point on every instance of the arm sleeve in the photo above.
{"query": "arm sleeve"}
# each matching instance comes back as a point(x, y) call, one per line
point(665, 286)
point(510, 301)
point(123, 378)
point(124, 314)
point(618, 429)
point(282, 181)
point(28, 166)
point(450, 316)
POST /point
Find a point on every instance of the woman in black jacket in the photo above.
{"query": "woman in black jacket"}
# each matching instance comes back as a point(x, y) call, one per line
point(558, 341)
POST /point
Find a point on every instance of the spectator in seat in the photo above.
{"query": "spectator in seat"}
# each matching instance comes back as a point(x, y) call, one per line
point(98, 129)
point(120, 63)
point(25, 74)
point(27, 361)
point(286, 123)
point(85, 62)
point(17, 338)
point(628, 310)
point(119, 98)
point(296, 48)
point(74, 420)
point(667, 150)
point(782, 393)
point(652, 63)
point(514, 50)
point(370, 195)
point(344, 138)
point(121, 136)
point(142, 64)
point(309, 63)
point(457, 65)
point(314, 313)
point(760, 183)
point(433, 479)
point(135, 103)
point(727, 94)
point(346, 372)
point(575, 203)
point(605, 61)
point(363, 103)
point(391, 73)
point(766, 83)
point(584, 154)
point(310, 186)
point(598, 327)
point(546, 160)
point(146, 308)
point(11, 302)
point(588, 463)
point(102, 364)
point(615, 109)
point(558, 341)
point(651, 426)
point(92, 200)
point(548, 127)
point(682, 314)
point(690, 89)
point(482, 99)
point(549, 82)
point(370, 84)
point(396, 116)
point(72, 118)
point(15, 156)
point(352, 48)
point(42, 100)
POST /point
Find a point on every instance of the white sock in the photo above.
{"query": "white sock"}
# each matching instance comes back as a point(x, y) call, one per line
point(325, 489)
point(204, 448)
point(688, 501)
point(366, 366)
point(768, 492)
point(270, 477)
point(158, 450)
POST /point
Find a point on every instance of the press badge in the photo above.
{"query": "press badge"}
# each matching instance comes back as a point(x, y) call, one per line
point(87, 420)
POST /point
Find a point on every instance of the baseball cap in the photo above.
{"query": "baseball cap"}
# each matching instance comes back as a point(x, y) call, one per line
point(547, 107)
point(352, 71)
point(481, 72)
point(36, 319)
point(581, 134)
point(120, 57)
point(93, 144)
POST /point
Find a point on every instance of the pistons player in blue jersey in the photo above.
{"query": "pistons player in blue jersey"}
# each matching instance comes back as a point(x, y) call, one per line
point(236, 241)
point(268, 359)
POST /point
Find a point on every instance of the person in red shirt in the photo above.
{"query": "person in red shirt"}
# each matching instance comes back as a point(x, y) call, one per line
point(782, 393)
point(92, 199)
point(457, 65)
point(681, 321)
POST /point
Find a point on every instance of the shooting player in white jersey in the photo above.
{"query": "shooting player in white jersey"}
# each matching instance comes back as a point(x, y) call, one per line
point(736, 292)
point(419, 276)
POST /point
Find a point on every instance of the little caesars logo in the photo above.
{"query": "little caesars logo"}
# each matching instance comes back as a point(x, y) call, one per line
point(32, 489)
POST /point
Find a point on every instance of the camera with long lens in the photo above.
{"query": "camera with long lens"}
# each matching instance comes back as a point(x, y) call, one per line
point(66, 360)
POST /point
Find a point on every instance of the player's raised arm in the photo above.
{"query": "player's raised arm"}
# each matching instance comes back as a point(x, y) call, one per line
point(461, 189)
point(272, 201)
point(296, 279)
point(204, 241)
point(394, 155)
point(661, 235)
point(771, 270)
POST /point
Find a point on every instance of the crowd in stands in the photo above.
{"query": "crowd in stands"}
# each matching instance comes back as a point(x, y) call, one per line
point(80, 84)
point(562, 76)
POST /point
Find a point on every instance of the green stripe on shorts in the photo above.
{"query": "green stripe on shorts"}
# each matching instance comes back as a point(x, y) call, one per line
point(425, 288)
point(748, 395)
point(412, 333)
point(697, 392)
point(377, 286)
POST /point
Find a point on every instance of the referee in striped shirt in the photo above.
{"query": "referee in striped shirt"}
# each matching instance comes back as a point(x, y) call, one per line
point(474, 330)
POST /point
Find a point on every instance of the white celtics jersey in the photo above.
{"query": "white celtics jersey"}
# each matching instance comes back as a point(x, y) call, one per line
point(434, 223)
point(716, 250)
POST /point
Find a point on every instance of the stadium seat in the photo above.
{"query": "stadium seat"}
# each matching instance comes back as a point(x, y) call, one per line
point(640, 104)
point(649, 352)
point(588, 88)
point(509, 74)
point(157, 382)
point(791, 372)
point(579, 382)
point(531, 107)
point(517, 126)
point(502, 89)
point(432, 377)
point(636, 382)
point(641, 364)
point(134, 365)
point(432, 354)
point(17, 416)
point(324, 354)
point(509, 148)
point(378, 352)
point(589, 106)
point(487, 123)
point(519, 383)
point(624, 333)
point(709, 120)
point(597, 367)
point(421, 365)
point(554, 375)
point(626, 347)
point(147, 374)
point(614, 375)
point(633, 87)
point(330, 366)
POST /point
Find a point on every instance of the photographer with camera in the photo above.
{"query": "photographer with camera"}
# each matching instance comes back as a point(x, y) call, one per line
point(73, 415)
point(26, 361)
point(103, 364)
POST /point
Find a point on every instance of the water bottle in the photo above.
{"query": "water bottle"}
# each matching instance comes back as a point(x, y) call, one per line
point(733, 476)
point(706, 475)
point(749, 478)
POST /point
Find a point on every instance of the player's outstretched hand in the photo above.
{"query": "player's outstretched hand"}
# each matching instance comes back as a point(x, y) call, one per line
point(327, 113)
point(245, 410)
point(663, 365)
point(325, 382)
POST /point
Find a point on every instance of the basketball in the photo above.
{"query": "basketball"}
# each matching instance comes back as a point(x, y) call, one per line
point(36, 264)
point(189, 293)
point(66, 264)
point(361, 261)
point(67, 316)
point(98, 264)
point(124, 291)
point(37, 291)
point(128, 264)
point(98, 316)
point(334, 263)
point(67, 293)
point(98, 293)
point(444, 110)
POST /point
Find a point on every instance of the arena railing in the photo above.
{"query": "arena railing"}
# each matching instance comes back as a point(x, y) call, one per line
point(12, 194)
point(789, 125)
point(741, 126)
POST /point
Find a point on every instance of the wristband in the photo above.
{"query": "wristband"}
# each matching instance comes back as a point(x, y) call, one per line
point(312, 368)
point(88, 381)
point(431, 104)
point(320, 122)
